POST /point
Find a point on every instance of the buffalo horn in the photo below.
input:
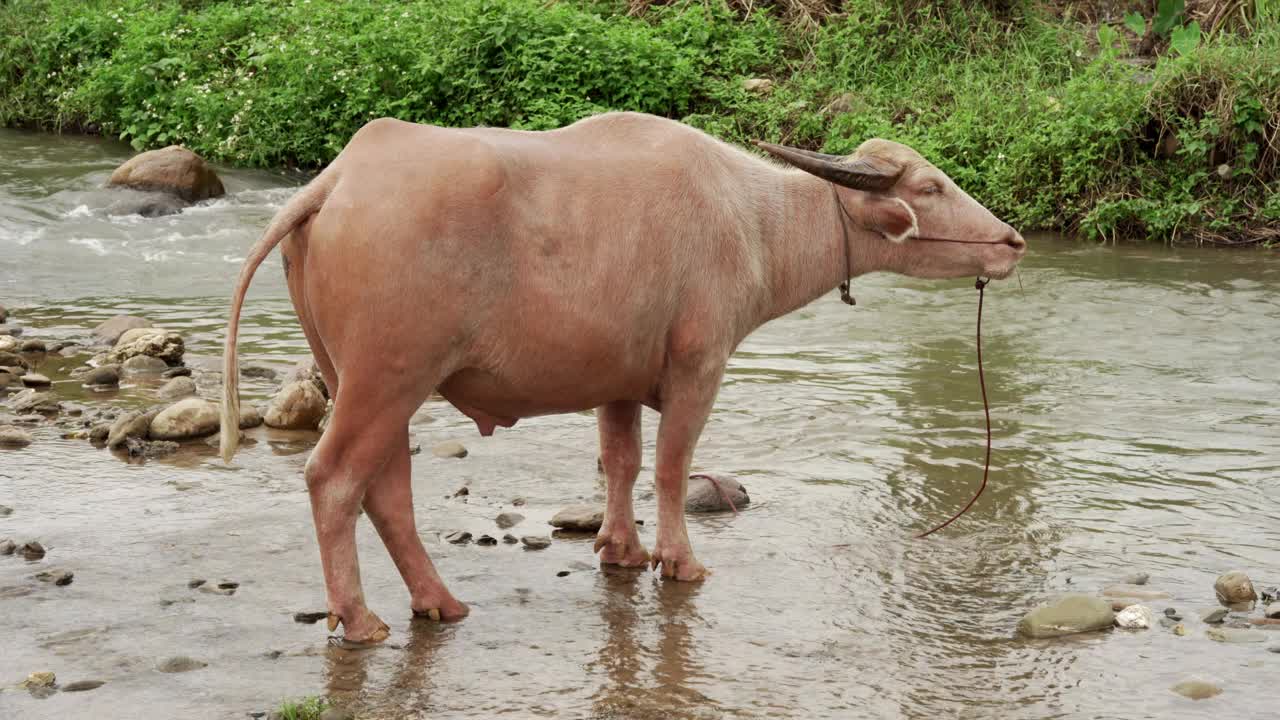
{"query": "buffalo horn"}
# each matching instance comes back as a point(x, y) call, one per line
point(866, 173)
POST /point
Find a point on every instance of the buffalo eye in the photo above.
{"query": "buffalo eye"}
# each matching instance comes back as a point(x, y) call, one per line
point(932, 189)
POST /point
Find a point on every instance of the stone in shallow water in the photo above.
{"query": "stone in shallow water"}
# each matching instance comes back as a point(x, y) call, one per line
point(510, 539)
point(130, 425)
point(36, 380)
point(1135, 617)
point(298, 406)
point(14, 437)
point(40, 679)
point(104, 375)
point(109, 331)
point(33, 346)
point(7, 547)
point(310, 618)
point(579, 518)
point(1235, 635)
point(508, 519)
point(143, 364)
point(486, 540)
point(1214, 616)
point(535, 542)
point(177, 387)
point(180, 664)
point(1196, 689)
point(1067, 615)
point(1234, 587)
point(185, 419)
point(32, 550)
point(458, 537)
point(83, 685)
point(703, 496)
point(449, 449)
point(1273, 610)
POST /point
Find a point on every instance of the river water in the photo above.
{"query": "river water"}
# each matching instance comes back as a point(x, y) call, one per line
point(1134, 399)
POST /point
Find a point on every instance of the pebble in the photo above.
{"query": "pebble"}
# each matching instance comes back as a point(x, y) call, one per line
point(40, 679)
point(449, 449)
point(1180, 629)
point(249, 417)
point(310, 618)
point(104, 375)
point(1234, 635)
point(1140, 578)
point(563, 573)
point(32, 550)
point(1196, 689)
point(462, 491)
point(579, 518)
point(536, 542)
point(458, 537)
point(5, 511)
point(510, 539)
point(177, 388)
point(1214, 616)
point(7, 547)
point(1274, 649)
point(1172, 614)
point(1273, 610)
point(702, 495)
point(173, 372)
point(14, 437)
point(180, 664)
point(211, 590)
point(99, 433)
point(36, 380)
point(1234, 587)
point(150, 448)
point(1074, 613)
point(254, 370)
point(487, 540)
point(193, 584)
point(60, 578)
point(33, 346)
point(8, 343)
point(1135, 617)
point(83, 685)
point(518, 502)
point(508, 519)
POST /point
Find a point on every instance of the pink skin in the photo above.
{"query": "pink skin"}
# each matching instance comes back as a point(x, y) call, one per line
point(610, 264)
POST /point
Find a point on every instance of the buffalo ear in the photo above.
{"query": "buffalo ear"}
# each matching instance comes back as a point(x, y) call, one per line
point(866, 173)
point(892, 218)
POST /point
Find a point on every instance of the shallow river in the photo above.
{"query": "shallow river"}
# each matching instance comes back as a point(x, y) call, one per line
point(1134, 398)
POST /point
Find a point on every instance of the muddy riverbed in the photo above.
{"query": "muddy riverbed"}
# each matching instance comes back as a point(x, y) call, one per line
point(1137, 428)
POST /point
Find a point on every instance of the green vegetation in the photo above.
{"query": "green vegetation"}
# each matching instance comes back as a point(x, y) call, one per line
point(1160, 125)
point(305, 709)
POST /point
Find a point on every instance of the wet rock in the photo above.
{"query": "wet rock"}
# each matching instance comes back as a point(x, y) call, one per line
point(143, 365)
point(8, 343)
point(759, 86)
point(193, 584)
point(310, 618)
point(1273, 610)
point(510, 539)
point(1140, 578)
point(518, 502)
point(180, 664)
point(173, 372)
point(462, 491)
point(109, 332)
point(298, 406)
point(1196, 689)
point(176, 601)
point(1180, 630)
point(579, 518)
point(130, 425)
point(703, 496)
point(31, 550)
point(4, 314)
point(273, 654)
point(177, 388)
point(249, 417)
point(1067, 615)
point(508, 519)
point(1172, 614)
point(35, 401)
point(7, 547)
point(29, 419)
point(83, 685)
point(563, 573)
point(1214, 616)
point(1234, 587)
point(40, 679)
point(306, 371)
point(5, 511)
point(14, 437)
point(165, 346)
point(228, 585)
point(486, 540)
point(1274, 649)
point(535, 542)
point(147, 204)
point(216, 590)
point(334, 713)
point(458, 537)
point(1135, 617)
point(33, 346)
point(174, 170)
point(150, 448)
point(1235, 635)
point(57, 577)
point(12, 360)
point(99, 433)
point(71, 350)
point(104, 375)
point(1270, 595)
point(58, 346)
point(35, 380)
point(254, 370)
point(185, 419)
point(449, 449)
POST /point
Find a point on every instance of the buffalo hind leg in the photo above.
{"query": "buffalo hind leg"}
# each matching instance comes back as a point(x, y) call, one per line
point(618, 542)
point(389, 502)
point(686, 402)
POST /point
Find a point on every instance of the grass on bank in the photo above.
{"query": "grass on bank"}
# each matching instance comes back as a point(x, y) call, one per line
point(305, 709)
point(1045, 119)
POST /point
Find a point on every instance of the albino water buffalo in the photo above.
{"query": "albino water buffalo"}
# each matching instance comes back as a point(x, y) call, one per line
point(614, 263)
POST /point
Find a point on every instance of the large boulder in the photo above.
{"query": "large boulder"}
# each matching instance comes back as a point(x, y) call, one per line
point(186, 419)
point(109, 332)
point(174, 170)
point(298, 406)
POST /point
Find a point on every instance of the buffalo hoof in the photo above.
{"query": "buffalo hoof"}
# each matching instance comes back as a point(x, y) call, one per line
point(445, 613)
point(678, 563)
point(617, 549)
point(371, 630)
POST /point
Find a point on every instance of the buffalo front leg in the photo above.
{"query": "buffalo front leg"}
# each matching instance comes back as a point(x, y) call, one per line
point(685, 407)
point(389, 502)
point(618, 541)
